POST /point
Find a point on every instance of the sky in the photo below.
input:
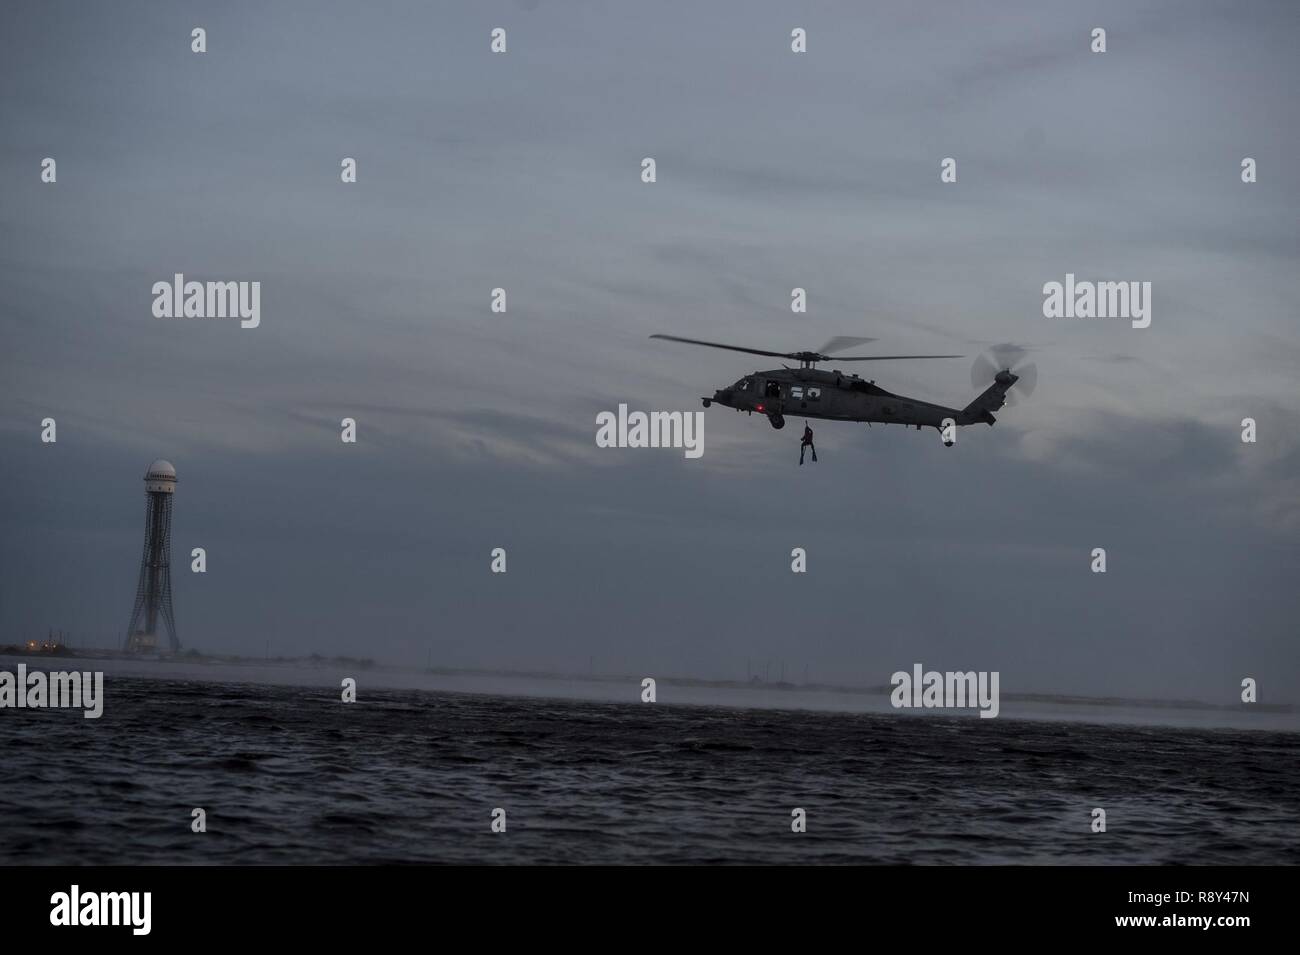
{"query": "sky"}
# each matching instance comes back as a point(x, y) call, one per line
point(775, 170)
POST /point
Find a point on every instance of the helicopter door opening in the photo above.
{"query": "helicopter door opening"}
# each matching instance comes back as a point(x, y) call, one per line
point(773, 389)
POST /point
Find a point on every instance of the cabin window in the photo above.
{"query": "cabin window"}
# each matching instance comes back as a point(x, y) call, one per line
point(814, 394)
point(796, 392)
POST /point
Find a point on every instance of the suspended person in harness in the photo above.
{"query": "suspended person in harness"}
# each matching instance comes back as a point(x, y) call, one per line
point(807, 442)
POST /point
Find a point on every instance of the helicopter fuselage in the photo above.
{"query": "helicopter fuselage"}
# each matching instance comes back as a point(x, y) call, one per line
point(834, 396)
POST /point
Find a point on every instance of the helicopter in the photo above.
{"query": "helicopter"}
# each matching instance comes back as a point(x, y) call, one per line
point(809, 392)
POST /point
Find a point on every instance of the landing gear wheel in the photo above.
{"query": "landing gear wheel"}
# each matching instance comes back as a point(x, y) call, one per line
point(778, 421)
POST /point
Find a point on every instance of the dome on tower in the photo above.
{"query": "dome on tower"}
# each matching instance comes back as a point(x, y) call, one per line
point(160, 478)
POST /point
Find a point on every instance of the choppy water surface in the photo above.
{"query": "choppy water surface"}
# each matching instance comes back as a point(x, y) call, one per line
point(292, 775)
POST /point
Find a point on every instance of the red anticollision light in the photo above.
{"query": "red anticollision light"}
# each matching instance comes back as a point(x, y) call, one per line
point(760, 407)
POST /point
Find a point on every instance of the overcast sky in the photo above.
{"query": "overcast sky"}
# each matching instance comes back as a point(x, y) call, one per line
point(775, 170)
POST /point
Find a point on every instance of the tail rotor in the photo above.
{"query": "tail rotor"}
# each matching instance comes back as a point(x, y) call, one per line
point(1005, 357)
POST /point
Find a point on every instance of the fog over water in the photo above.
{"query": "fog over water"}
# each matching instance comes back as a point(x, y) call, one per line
point(328, 676)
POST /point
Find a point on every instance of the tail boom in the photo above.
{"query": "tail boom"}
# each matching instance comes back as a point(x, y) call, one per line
point(990, 400)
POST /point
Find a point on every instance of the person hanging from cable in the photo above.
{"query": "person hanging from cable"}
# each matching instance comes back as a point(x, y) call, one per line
point(807, 442)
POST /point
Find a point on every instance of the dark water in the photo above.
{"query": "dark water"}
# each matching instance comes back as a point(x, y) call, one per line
point(291, 775)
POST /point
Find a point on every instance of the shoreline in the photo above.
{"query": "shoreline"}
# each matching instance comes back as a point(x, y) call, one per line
point(320, 671)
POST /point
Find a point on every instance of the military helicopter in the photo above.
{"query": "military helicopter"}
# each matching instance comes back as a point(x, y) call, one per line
point(810, 393)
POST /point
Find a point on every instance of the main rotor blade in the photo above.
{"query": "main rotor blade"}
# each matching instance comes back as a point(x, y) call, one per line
point(842, 341)
point(886, 357)
point(751, 351)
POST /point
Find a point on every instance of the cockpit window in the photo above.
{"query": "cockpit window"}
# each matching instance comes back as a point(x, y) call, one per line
point(742, 385)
